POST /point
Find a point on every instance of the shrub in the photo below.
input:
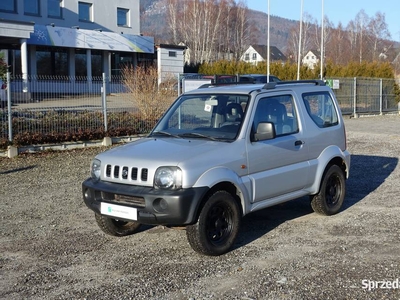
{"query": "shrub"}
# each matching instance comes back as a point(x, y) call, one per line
point(150, 100)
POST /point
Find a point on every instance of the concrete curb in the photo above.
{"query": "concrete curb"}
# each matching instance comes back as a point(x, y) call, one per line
point(13, 151)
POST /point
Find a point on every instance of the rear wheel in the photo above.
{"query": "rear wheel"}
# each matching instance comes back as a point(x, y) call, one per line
point(217, 227)
point(330, 198)
point(116, 227)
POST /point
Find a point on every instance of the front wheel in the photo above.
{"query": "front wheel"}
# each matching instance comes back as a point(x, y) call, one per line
point(217, 227)
point(330, 198)
point(116, 227)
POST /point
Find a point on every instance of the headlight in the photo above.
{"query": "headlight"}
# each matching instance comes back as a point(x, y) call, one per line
point(95, 169)
point(168, 178)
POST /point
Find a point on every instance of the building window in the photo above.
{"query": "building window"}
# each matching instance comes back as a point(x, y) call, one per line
point(97, 66)
point(172, 54)
point(80, 63)
point(31, 7)
point(8, 5)
point(54, 8)
point(85, 11)
point(51, 61)
point(122, 17)
point(14, 56)
point(121, 60)
point(247, 56)
point(254, 56)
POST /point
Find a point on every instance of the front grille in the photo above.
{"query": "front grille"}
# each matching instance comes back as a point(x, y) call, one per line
point(126, 173)
point(131, 200)
point(116, 171)
point(134, 173)
point(144, 174)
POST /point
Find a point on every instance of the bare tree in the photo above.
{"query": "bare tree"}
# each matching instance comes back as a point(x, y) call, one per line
point(361, 23)
point(328, 25)
point(293, 46)
point(172, 15)
point(308, 39)
point(240, 29)
point(338, 47)
point(378, 33)
point(208, 27)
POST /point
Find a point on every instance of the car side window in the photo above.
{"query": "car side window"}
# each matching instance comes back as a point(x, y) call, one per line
point(321, 108)
point(280, 111)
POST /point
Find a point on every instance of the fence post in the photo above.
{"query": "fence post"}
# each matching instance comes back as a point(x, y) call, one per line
point(104, 101)
point(380, 97)
point(179, 84)
point(355, 99)
point(10, 137)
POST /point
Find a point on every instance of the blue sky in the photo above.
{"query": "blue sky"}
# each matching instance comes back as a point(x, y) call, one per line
point(336, 10)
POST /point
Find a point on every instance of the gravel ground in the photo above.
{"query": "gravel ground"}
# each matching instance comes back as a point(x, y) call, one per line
point(51, 247)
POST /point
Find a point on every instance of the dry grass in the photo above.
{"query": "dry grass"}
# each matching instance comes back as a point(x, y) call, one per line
point(148, 97)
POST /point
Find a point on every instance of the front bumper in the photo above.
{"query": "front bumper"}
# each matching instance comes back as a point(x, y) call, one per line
point(154, 206)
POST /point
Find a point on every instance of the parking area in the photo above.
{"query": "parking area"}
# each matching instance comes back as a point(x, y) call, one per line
point(51, 248)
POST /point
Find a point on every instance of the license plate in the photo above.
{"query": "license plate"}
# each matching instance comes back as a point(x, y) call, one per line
point(118, 211)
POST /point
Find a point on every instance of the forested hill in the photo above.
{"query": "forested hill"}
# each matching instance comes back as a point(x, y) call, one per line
point(154, 23)
point(366, 38)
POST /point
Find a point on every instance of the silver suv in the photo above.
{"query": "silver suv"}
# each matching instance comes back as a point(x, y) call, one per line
point(220, 153)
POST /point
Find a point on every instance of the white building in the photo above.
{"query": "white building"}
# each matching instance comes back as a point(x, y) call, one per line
point(71, 37)
point(311, 59)
point(170, 61)
point(258, 53)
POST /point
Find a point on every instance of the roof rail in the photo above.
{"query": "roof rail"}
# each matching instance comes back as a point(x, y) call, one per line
point(207, 85)
point(272, 85)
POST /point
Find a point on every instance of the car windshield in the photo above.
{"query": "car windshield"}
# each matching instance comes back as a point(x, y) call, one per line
point(213, 117)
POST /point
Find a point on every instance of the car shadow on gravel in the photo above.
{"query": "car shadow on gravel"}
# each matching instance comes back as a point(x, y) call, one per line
point(17, 170)
point(367, 173)
point(259, 223)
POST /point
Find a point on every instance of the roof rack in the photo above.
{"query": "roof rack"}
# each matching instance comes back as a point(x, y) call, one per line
point(272, 85)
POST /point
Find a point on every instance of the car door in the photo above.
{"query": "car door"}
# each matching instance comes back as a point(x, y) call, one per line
point(278, 166)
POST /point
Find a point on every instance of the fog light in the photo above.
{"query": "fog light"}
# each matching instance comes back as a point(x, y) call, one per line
point(160, 205)
point(87, 194)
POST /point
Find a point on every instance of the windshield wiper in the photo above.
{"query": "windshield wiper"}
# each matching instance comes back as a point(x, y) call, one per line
point(165, 133)
point(199, 135)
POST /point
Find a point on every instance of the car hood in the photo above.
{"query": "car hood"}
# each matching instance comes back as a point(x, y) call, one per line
point(154, 152)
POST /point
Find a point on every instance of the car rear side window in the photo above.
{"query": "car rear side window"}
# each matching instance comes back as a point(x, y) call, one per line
point(279, 110)
point(321, 108)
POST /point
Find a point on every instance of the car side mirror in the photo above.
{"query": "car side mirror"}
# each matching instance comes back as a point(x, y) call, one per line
point(265, 131)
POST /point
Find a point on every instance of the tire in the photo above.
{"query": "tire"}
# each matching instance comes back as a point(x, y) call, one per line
point(217, 227)
point(116, 227)
point(331, 195)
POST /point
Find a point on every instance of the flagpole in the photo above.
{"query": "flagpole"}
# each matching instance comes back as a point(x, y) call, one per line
point(300, 34)
point(322, 42)
point(268, 48)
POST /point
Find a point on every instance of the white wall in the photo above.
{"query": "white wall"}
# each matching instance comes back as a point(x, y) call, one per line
point(104, 15)
point(251, 51)
point(169, 65)
point(310, 60)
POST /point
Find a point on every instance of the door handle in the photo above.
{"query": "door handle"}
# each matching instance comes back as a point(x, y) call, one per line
point(298, 143)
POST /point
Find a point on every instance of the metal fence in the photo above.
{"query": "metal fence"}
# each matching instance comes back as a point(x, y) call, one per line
point(58, 109)
point(366, 95)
